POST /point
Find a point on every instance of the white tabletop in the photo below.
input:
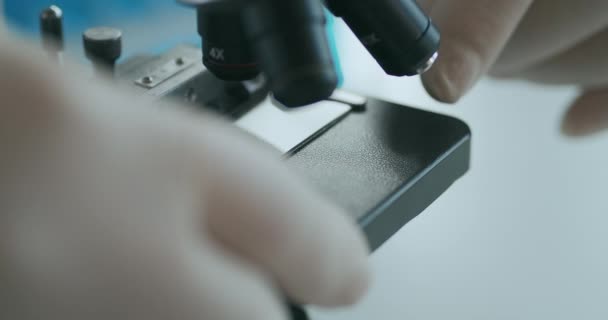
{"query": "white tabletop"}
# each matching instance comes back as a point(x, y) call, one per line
point(524, 235)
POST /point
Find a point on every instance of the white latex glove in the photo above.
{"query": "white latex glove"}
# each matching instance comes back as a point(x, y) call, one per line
point(112, 209)
point(549, 41)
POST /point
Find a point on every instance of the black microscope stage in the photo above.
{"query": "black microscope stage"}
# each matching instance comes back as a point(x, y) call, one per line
point(383, 162)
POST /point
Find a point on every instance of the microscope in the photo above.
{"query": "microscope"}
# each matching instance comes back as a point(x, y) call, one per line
point(266, 65)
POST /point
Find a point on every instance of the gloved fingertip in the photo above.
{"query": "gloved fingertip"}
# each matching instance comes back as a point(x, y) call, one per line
point(440, 88)
point(452, 76)
point(574, 129)
point(358, 287)
point(587, 115)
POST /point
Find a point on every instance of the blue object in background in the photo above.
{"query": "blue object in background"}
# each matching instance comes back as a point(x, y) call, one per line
point(23, 14)
point(23, 17)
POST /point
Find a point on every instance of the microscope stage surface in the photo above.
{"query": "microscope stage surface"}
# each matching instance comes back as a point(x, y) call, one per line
point(382, 162)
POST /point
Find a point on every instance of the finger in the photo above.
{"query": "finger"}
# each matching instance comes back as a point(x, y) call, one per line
point(26, 119)
point(585, 65)
point(588, 114)
point(216, 285)
point(474, 32)
point(549, 28)
point(258, 208)
point(128, 262)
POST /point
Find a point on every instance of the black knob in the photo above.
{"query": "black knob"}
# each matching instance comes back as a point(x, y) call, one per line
point(290, 41)
point(51, 29)
point(103, 46)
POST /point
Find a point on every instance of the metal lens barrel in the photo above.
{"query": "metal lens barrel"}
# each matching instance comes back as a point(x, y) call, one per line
point(290, 42)
point(397, 33)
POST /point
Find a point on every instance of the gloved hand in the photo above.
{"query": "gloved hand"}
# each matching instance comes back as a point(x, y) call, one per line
point(115, 209)
point(549, 41)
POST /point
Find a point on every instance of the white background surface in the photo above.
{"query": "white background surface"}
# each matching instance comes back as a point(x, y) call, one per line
point(523, 236)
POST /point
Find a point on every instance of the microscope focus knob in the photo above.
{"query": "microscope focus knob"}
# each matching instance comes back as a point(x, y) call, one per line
point(103, 46)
